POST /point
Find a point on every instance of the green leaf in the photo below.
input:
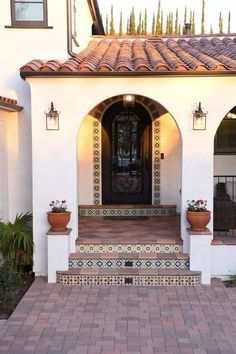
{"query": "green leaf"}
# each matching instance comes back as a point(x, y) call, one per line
point(16, 240)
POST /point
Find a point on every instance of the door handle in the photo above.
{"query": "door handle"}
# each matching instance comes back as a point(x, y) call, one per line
point(146, 161)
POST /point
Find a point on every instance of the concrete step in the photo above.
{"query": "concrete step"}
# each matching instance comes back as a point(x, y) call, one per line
point(112, 247)
point(146, 260)
point(145, 277)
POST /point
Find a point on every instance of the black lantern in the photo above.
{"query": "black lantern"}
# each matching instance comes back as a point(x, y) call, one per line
point(52, 118)
point(199, 118)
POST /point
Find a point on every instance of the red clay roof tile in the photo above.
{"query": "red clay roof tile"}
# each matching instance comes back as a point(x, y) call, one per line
point(156, 55)
point(8, 100)
point(9, 104)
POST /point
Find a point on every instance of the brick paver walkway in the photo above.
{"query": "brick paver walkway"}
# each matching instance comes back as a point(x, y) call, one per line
point(128, 320)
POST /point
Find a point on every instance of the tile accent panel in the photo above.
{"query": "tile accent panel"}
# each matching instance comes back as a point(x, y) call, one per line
point(144, 211)
point(156, 173)
point(143, 280)
point(97, 163)
point(132, 248)
point(131, 264)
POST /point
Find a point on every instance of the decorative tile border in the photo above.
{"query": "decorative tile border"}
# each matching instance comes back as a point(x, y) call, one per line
point(96, 163)
point(143, 280)
point(129, 248)
point(98, 113)
point(157, 211)
point(156, 178)
point(132, 263)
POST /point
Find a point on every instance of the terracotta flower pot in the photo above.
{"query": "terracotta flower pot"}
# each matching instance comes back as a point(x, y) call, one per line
point(198, 220)
point(58, 221)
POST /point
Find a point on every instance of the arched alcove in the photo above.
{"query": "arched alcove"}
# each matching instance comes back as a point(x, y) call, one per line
point(166, 153)
point(225, 175)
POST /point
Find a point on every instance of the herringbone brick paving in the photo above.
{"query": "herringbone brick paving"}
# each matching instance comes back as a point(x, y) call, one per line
point(128, 320)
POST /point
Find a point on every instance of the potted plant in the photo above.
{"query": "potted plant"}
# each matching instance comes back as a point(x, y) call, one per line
point(197, 214)
point(58, 217)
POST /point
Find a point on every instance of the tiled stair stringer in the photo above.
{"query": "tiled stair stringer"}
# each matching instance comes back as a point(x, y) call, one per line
point(125, 211)
point(135, 262)
point(123, 248)
point(144, 277)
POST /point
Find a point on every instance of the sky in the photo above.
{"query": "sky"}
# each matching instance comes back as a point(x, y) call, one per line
point(212, 10)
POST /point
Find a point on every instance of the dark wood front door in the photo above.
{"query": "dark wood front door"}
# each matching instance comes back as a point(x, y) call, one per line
point(126, 155)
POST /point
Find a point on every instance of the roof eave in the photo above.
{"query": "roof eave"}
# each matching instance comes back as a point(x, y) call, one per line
point(10, 107)
point(25, 74)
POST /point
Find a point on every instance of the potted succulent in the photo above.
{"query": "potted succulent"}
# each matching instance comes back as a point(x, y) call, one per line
point(197, 214)
point(58, 217)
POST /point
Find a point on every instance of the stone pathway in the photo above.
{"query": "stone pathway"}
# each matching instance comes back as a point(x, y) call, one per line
point(128, 320)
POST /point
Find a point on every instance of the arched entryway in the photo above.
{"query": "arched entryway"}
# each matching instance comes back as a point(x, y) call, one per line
point(225, 176)
point(129, 154)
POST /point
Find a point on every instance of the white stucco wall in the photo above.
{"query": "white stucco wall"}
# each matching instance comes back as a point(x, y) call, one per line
point(171, 165)
point(223, 261)
point(55, 153)
point(3, 166)
point(84, 24)
point(19, 46)
point(85, 161)
point(13, 168)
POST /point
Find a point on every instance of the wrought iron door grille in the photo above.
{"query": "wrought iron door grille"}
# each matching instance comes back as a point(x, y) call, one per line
point(127, 154)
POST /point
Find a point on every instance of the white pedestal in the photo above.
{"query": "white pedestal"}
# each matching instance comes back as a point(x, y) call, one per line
point(58, 253)
point(200, 253)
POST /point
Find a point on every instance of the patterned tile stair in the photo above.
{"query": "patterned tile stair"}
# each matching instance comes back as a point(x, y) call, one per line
point(158, 263)
point(145, 277)
point(129, 260)
point(127, 210)
point(172, 247)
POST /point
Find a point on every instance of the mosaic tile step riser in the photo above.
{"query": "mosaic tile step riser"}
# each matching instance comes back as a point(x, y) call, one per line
point(134, 263)
point(129, 281)
point(128, 248)
point(170, 211)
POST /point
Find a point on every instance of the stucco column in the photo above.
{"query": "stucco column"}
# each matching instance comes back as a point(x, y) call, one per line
point(200, 253)
point(58, 250)
point(197, 174)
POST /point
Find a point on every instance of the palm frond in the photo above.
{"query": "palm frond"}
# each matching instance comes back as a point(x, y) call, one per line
point(16, 239)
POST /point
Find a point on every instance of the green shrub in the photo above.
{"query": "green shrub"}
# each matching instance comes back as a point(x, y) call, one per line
point(16, 241)
point(9, 277)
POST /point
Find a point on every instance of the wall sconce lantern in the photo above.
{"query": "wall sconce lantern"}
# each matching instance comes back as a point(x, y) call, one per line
point(128, 100)
point(52, 118)
point(199, 118)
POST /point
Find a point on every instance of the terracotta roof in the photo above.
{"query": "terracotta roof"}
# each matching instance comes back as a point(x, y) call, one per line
point(7, 100)
point(153, 55)
point(9, 104)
